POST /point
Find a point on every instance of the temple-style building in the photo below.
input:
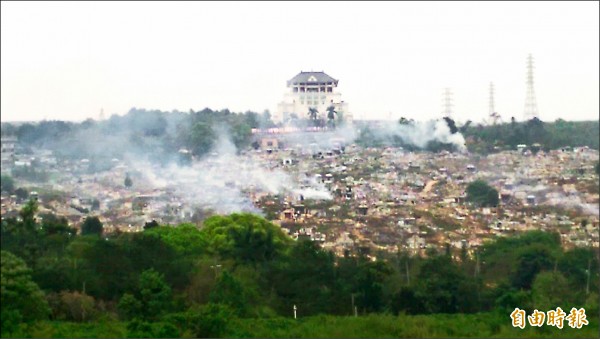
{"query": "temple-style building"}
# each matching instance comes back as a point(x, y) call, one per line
point(311, 90)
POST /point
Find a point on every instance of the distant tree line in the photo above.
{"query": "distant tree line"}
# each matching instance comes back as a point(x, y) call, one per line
point(158, 135)
point(550, 135)
point(153, 134)
point(371, 136)
point(493, 138)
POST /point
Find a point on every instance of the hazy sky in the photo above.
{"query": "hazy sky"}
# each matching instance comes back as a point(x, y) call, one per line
point(68, 60)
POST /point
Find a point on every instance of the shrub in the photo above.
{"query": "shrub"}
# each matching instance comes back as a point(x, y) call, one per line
point(482, 194)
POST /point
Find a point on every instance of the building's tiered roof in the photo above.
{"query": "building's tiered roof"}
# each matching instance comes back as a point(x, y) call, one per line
point(312, 78)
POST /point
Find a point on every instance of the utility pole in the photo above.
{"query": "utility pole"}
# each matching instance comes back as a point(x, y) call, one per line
point(216, 268)
point(477, 274)
point(589, 272)
point(407, 272)
point(476, 264)
point(354, 309)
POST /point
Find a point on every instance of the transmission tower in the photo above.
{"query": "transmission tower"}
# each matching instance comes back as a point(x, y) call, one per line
point(530, 102)
point(494, 116)
point(447, 99)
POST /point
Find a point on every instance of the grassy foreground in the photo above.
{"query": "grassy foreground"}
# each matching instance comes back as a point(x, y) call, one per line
point(378, 326)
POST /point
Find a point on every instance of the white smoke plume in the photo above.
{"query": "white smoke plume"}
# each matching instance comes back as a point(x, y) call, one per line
point(420, 133)
point(320, 139)
point(223, 180)
point(572, 201)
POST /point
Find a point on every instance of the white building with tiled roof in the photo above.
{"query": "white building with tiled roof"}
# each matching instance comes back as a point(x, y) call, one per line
point(311, 90)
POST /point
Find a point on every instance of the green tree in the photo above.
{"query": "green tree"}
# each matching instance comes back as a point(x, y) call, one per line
point(202, 281)
point(95, 204)
point(451, 125)
point(21, 193)
point(550, 135)
point(265, 120)
point(73, 306)
point(101, 267)
point(128, 182)
point(313, 114)
point(576, 264)
point(147, 250)
point(229, 291)
point(406, 299)
point(404, 121)
point(150, 225)
point(240, 133)
point(200, 138)
point(506, 298)
point(154, 294)
point(129, 306)
point(304, 277)
point(7, 184)
point(482, 194)
point(444, 288)
point(536, 132)
point(370, 283)
point(138, 328)
point(151, 300)
point(52, 270)
point(500, 260)
point(551, 289)
point(210, 320)
point(21, 298)
point(530, 261)
point(186, 239)
point(91, 225)
point(244, 236)
point(27, 214)
point(464, 127)
point(53, 225)
point(54, 274)
point(331, 112)
point(23, 237)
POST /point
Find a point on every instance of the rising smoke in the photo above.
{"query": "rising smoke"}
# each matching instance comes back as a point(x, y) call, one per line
point(420, 134)
point(224, 181)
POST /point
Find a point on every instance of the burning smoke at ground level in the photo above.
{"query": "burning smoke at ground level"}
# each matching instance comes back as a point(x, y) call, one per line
point(221, 181)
